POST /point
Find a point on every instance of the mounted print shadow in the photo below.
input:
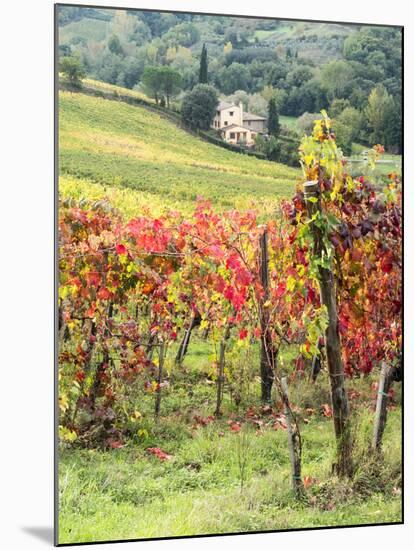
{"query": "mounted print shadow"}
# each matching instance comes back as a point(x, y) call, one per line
point(229, 274)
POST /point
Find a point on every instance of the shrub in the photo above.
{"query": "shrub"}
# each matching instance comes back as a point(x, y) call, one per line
point(73, 70)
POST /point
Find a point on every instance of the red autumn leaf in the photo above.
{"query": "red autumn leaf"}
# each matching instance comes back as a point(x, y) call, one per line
point(93, 278)
point(243, 333)
point(235, 426)
point(243, 277)
point(238, 300)
point(220, 284)
point(250, 412)
point(157, 452)
point(308, 481)
point(216, 252)
point(326, 410)
point(233, 262)
point(115, 443)
point(310, 295)
point(91, 311)
point(280, 290)
point(80, 376)
point(301, 257)
point(157, 224)
point(229, 293)
point(203, 421)
point(104, 294)
point(386, 265)
point(120, 249)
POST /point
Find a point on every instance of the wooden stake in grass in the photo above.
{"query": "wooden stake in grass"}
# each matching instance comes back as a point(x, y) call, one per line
point(340, 405)
point(294, 444)
point(161, 358)
point(384, 385)
point(267, 352)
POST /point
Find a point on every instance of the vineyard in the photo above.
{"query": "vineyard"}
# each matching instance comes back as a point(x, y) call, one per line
point(220, 342)
point(133, 151)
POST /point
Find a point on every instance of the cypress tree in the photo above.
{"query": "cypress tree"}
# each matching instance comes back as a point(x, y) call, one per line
point(203, 75)
point(273, 126)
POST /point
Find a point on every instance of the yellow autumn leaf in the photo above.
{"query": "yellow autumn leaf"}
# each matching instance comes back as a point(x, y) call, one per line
point(290, 283)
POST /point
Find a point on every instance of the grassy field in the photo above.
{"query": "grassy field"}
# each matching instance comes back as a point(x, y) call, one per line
point(89, 29)
point(127, 493)
point(289, 121)
point(112, 88)
point(387, 163)
point(119, 146)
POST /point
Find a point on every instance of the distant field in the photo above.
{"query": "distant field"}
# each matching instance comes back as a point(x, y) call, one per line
point(387, 163)
point(92, 29)
point(290, 122)
point(108, 145)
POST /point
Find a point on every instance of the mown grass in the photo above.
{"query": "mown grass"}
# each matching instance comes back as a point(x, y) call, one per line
point(127, 493)
point(114, 144)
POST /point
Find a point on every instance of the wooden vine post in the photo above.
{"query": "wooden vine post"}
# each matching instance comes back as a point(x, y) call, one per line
point(182, 350)
point(294, 443)
point(220, 374)
point(267, 355)
point(340, 404)
point(384, 385)
point(161, 358)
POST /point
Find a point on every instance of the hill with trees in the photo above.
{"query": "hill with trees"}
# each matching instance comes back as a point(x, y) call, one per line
point(352, 71)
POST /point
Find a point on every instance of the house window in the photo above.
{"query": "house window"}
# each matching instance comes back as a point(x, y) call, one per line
point(231, 113)
point(225, 123)
point(232, 135)
point(249, 122)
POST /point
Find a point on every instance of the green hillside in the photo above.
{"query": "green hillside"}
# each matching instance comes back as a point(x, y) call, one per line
point(140, 159)
point(321, 41)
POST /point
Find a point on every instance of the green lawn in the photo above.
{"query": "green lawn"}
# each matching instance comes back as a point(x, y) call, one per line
point(127, 493)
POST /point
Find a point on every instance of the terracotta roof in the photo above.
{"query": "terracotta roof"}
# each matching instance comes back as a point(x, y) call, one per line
point(251, 116)
point(224, 105)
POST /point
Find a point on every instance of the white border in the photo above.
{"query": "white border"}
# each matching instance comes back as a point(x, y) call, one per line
point(26, 286)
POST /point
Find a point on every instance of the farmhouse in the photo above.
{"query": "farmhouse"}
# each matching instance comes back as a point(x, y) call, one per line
point(237, 126)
